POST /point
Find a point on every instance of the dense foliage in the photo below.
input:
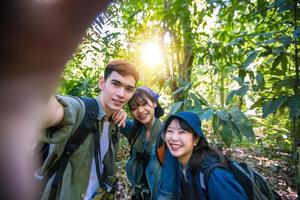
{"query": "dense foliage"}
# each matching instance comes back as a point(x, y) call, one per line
point(233, 62)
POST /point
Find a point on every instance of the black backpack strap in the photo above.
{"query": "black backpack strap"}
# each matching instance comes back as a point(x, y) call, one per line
point(134, 134)
point(87, 125)
point(204, 173)
point(207, 171)
point(209, 163)
point(240, 171)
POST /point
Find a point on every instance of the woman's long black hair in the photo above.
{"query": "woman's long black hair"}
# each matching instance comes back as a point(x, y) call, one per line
point(200, 150)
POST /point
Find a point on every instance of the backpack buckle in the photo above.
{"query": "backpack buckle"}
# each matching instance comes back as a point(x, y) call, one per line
point(92, 115)
point(70, 148)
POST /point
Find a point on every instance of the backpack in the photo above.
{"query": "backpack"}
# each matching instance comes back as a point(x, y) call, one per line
point(253, 183)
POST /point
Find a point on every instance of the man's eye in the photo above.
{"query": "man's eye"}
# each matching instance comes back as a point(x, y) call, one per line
point(130, 90)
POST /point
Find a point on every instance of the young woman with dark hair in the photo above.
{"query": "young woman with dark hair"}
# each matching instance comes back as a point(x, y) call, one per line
point(143, 168)
point(187, 143)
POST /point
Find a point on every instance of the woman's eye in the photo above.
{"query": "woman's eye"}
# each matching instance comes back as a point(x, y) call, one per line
point(182, 132)
point(133, 108)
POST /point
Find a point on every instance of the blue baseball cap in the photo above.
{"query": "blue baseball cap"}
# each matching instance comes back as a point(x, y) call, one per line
point(191, 119)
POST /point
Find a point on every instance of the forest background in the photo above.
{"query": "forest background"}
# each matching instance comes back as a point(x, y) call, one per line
point(235, 63)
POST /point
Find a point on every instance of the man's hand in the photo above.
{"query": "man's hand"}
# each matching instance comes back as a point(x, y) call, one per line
point(37, 38)
point(119, 117)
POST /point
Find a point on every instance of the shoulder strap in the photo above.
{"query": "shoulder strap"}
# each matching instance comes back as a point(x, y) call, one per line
point(134, 134)
point(209, 163)
point(154, 135)
point(160, 150)
point(206, 173)
point(87, 125)
point(243, 175)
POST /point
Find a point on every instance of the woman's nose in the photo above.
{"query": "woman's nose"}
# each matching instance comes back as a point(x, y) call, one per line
point(174, 136)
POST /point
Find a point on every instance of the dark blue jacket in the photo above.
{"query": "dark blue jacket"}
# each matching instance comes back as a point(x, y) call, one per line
point(221, 185)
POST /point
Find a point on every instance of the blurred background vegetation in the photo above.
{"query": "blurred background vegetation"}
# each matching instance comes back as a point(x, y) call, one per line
point(233, 62)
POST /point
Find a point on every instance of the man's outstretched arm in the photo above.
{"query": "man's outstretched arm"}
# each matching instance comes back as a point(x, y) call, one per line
point(37, 38)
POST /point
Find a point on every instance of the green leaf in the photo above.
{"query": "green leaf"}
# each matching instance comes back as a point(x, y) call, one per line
point(207, 114)
point(202, 99)
point(296, 33)
point(260, 80)
point(176, 107)
point(284, 62)
point(286, 41)
point(258, 103)
point(251, 57)
point(276, 62)
point(215, 124)
point(223, 115)
point(242, 123)
point(261, 7)
point(255, 88)
point(226, 132)
point(223, 128)
point(288, 83)
point(279, 50)
point(242, 90)
point(178, 90)
point(272, 106)
point(197, 101)
point(294, 106)
point(230, 97)
point(238, 79)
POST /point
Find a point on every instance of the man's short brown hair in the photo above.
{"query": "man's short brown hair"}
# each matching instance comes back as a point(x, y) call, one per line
point(122, 67)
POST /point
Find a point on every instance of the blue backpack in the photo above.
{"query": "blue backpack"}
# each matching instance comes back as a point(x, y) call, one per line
point(254, 184)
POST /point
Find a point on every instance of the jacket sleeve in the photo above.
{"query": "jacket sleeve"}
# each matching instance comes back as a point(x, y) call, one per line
point(167, 187)
point(73, 114)
point(223, 185)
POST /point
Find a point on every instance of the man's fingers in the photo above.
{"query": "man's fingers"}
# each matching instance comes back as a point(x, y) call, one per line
point(120, 118)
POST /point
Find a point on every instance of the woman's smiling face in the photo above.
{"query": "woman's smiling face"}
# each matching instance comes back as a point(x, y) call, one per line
point(179, 141)
point(143, 110)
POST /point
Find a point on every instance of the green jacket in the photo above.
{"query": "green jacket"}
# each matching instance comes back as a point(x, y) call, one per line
point(77, 173)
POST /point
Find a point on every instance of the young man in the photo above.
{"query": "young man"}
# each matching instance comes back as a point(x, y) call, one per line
point(80, 180)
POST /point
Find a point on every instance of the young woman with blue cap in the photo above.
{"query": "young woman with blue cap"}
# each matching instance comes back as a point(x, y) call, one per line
point(186, 141)
point(143, 168)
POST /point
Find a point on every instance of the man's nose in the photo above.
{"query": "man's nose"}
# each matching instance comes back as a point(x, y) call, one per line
point(121, 92)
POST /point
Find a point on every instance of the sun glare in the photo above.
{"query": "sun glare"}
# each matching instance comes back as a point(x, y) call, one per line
point(151, 54)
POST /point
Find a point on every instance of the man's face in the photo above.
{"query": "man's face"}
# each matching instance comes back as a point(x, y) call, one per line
point(116, 91)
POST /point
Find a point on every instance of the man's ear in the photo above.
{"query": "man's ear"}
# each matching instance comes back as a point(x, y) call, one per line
point(101, 83)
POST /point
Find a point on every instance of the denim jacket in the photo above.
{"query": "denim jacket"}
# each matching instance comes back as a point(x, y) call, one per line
point(134, 168)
